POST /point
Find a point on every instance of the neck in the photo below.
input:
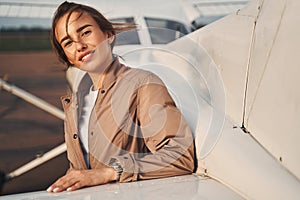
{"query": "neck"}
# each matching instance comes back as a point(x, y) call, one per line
point(98, 77)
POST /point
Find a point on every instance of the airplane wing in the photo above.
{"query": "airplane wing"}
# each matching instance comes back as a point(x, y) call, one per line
point(189, 187)
point(255, 51)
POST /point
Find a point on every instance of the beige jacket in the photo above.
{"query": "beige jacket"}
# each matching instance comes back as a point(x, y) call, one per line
point(135, 121)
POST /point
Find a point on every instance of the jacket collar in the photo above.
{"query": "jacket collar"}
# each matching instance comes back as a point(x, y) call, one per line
point(115, 70)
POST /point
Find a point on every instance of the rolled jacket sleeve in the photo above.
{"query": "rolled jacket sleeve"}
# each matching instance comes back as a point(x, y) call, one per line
point(165, 133)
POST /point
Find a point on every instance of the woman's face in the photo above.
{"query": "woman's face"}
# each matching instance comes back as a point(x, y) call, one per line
point(80, 39)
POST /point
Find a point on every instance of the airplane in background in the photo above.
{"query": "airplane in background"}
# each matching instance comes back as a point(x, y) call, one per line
point(196, 13)
point(240, 75)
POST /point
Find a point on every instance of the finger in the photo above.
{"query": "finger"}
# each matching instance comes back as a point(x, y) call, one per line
point(68, 186)
point(50, 189)
point(62, 184)
point(76, 186)
point(55, 185)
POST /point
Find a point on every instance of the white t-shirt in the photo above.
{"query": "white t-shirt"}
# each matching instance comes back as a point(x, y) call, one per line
point(87, 107)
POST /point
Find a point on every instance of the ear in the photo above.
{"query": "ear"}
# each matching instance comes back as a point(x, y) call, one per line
point(111, 38)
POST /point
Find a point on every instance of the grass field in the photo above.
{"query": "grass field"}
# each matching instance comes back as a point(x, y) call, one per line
point(24, 41)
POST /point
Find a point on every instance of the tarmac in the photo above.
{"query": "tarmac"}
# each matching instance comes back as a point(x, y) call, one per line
point(25, 130)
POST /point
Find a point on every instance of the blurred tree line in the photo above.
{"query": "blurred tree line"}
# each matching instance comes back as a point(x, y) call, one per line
point(24, 39)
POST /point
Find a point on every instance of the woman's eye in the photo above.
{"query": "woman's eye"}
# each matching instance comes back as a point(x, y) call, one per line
point(85, 33)
point(68, 43)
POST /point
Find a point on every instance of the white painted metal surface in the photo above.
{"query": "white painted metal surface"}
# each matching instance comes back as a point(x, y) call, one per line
point(242, 164)
point(181, 187)
point(273, 97)
point(228, 41)
point(256, 53)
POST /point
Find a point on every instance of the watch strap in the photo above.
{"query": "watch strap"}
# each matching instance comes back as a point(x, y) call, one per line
point(116, 165)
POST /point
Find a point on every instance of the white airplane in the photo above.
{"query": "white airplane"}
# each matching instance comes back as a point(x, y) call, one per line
point(240, 76)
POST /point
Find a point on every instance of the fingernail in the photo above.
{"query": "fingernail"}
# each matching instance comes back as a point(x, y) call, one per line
point(69, 189)
point(55, 189)
point(49, 189)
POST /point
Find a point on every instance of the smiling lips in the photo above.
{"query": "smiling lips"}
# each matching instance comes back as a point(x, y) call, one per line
point(87, 57)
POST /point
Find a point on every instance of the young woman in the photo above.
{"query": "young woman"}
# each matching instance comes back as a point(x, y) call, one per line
point(125, 127)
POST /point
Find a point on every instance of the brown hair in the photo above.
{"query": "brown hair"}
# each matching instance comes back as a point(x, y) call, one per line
point(105, 25)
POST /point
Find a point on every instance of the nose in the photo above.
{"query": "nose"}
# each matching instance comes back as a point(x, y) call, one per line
point(80, 46)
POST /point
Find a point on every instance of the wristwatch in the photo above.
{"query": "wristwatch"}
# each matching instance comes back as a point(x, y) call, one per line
point(116, 165)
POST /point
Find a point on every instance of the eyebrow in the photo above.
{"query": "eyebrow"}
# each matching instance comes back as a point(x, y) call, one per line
point(77, 31)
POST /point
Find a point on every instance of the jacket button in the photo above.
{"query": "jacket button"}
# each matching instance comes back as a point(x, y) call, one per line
point(75, 136)
point(102, 91)
point(92, 133)
point(67, 100)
